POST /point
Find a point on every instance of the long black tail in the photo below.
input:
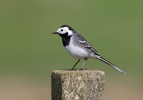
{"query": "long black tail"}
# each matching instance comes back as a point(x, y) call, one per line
point(110, 64)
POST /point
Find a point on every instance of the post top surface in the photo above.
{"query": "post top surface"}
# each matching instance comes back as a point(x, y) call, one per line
point(77, 71)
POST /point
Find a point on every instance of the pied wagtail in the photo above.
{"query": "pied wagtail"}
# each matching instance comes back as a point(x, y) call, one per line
point(78, 47)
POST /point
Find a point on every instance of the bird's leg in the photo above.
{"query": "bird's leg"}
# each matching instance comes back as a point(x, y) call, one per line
point(83, 64)
point(75, 65)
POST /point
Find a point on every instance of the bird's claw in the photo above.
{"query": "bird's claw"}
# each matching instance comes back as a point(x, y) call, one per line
point(74, 69)
point(81, 69)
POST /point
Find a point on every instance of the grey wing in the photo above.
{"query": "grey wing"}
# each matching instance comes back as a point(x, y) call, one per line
point(85, 43)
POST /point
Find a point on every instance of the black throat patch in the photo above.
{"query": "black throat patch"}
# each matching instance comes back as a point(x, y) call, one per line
point(65, 39)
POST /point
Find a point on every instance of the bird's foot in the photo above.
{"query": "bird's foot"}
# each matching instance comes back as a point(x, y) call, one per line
point(82, 69)
point(74, 69)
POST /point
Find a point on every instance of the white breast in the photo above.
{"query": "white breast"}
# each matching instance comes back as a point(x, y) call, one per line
point(76, 51)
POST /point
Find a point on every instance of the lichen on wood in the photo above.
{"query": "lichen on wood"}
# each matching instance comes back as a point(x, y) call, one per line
point(77, 85)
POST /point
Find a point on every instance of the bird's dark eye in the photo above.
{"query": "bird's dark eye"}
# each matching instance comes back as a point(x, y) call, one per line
point(61, 29)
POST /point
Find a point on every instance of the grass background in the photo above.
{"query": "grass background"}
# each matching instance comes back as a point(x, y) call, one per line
point(29, 52)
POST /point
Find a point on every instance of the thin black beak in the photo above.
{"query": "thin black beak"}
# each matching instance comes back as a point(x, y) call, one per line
point(55, 33)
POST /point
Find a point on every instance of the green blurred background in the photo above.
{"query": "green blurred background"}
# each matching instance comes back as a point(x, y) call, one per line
point(29, 52)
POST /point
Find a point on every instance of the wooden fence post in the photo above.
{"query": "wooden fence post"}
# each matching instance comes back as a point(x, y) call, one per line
point(77, 85)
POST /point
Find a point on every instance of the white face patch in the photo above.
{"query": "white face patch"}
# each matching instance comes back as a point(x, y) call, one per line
point(64, 30)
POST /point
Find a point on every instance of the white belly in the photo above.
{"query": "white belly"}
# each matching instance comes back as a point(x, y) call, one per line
point(76, 52)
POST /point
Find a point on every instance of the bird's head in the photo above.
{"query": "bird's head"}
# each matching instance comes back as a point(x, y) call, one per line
point(64, 30)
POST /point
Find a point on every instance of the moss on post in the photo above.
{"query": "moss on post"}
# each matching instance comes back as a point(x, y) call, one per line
point(77, 85)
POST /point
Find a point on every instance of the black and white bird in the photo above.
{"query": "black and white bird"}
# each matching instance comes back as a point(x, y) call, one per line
point(78, 47)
